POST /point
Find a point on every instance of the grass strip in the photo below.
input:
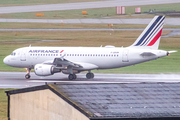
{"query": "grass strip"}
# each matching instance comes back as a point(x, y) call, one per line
point(8, 25)
point(3, 104)
point(95, 12)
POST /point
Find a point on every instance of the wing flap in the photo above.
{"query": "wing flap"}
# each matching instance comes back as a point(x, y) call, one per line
point(60, 61)
point(87, 66)
point(64, 63)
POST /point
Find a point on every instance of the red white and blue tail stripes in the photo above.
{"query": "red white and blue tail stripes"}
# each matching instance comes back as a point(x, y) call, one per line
point(152, 33)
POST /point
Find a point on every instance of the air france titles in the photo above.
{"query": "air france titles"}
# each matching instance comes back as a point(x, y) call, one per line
point(43, 51)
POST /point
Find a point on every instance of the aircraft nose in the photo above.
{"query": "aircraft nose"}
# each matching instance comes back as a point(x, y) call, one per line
point(5, 60)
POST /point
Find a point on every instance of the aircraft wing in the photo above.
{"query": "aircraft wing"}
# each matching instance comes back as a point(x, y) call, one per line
point(75, 65)
point(62, 61)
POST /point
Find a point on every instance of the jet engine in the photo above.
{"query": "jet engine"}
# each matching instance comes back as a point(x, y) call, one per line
point(45, 70)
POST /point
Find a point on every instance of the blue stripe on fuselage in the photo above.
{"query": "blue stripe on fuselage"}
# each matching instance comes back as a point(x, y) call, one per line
point(152, 26)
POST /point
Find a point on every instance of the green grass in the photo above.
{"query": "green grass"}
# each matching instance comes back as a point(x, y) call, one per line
point(63, 14)
point(3, 104)
point(94, 13)
point(73, 26)
point(67, 25)
point(160, 7)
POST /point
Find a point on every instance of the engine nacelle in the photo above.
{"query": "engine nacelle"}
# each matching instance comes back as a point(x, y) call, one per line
point(45, 70)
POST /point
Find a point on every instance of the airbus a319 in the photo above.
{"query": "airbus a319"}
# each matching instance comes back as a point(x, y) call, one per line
point(72, 60)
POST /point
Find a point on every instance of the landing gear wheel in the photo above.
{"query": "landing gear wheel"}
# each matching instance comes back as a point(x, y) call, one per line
point(88, 75)
point(71, 77)
point(27, 76)
point(92, 75)
point(74, 76)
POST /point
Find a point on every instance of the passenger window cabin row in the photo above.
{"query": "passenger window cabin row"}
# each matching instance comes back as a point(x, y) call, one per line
point(95, 55)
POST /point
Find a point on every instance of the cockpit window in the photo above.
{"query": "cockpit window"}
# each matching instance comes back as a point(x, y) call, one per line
point(13, 53)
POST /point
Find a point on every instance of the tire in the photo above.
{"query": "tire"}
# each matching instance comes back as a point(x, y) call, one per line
point(74, 76)
point(88, 75)
point(27, 76)
point(92, 75)
point(71, 77)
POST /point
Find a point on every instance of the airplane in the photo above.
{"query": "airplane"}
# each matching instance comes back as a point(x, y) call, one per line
point(72, 60)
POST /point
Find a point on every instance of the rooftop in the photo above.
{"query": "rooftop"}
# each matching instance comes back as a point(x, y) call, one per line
point(135, 100)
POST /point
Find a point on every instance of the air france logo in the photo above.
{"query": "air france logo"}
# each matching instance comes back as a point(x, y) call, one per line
point(61, 51)
point(45, 51)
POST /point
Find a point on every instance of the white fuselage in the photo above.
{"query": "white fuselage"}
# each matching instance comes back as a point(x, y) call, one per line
point(103, 57)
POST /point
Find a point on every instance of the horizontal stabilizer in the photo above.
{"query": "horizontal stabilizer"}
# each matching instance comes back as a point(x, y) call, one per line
point(172, 51)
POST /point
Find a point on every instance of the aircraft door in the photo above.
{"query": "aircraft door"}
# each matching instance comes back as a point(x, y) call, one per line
point(23, 55)
point(125, 56)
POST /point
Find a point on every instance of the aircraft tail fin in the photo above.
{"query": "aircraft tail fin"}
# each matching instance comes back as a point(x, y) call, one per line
point(150, 37)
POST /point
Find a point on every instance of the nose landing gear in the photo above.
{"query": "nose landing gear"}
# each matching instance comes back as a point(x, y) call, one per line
point(27, 76)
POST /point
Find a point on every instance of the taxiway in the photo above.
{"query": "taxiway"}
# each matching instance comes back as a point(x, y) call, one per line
point(168, 21)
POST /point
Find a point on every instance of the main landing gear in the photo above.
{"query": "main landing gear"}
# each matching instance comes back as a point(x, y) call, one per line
point(89, 75)
point(72, 76)
point(27, 76)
